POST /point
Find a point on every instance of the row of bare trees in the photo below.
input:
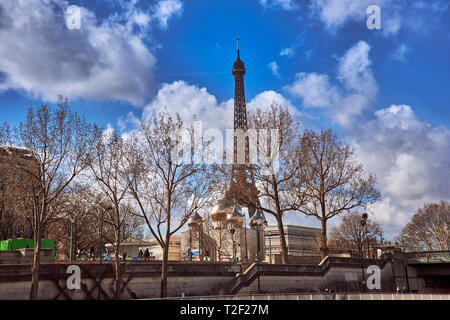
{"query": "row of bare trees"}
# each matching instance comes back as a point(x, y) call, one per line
point(76, 170)
point(141, 176)
point(428, 230)
point(313, 173)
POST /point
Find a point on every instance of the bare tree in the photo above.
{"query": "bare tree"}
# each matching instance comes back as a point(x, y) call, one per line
point(429, 229)
point(335, 180)
point(220, 232)
point(73, 227)
point(58, 142)
point(167, 184)
point(277, 171)
point(109, 188)
point(349, 235)
point(77, 224)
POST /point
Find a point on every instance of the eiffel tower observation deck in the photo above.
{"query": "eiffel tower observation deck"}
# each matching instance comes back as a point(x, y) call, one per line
point(242, 191)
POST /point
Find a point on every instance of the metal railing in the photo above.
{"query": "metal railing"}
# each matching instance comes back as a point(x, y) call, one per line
point(320, 296)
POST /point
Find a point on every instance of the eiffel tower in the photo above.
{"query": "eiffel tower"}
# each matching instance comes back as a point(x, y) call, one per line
point(242, 191)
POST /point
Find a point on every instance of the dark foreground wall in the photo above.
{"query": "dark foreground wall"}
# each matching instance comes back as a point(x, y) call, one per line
point(142, 279)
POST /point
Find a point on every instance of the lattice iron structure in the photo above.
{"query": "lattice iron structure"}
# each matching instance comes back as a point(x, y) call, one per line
point(242, 188)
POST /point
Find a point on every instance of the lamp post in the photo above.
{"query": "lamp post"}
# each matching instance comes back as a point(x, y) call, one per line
point(245, 236)
point(200, 253)
point(232, 231)
point(364, 225)
point(108, 208)
point(197, 220)
point(190, 245)
point(235, 219)
point(270, 247)
point(257, 221)
point(71, 238)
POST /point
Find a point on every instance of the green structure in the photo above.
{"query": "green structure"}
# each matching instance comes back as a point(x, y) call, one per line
point(16, 244)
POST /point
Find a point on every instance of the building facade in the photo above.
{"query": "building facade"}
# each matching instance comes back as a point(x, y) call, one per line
point(156, 251)
point(300, 241)
point(18, 173)
point(221, 243)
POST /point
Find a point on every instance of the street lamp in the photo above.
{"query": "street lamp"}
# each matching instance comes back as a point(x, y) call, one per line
point(257, 221)
point(245, 236)
point(270, 246)
point(232, 231)
point(71, 238)
point(364, 225)
point(190, 244)
point(108, 208)
point(235, 219)
point(197, 221)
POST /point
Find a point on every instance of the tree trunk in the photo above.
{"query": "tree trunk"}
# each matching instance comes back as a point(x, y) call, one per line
point(36, 265)
point(283, 246)
point(117, 272)
point(323, 240)
point(164, 270)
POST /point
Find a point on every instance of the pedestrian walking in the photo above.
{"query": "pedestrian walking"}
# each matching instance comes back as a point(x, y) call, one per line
point(333, 294)
point(147, 255)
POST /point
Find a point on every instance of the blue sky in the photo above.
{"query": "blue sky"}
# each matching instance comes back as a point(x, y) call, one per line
point(385, 91)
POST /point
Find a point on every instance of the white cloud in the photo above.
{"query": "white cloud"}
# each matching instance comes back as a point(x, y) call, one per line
point(287, 52)
point(416, 16)
point(101, 61)
point(392, 25)
point(266, 98)
point(352, 97)
point(166, 9)
point(273, 66)
point(400, 52)
point(130, 120)
point(314, 89)
point(284, 4)
point(410, 159)
point(334, 13)
point(190, 100)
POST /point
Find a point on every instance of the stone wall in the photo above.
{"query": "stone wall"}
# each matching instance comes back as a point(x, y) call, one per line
point(309, 259)
point(341, 274)
point(24, 256)
point(141, 279)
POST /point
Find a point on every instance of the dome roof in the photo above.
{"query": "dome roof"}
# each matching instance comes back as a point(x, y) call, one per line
point(223, 206)
point(195, 219)
point(236, 214)
point(258, 219)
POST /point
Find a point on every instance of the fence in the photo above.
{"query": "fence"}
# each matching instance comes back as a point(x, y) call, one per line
point(318, 296)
